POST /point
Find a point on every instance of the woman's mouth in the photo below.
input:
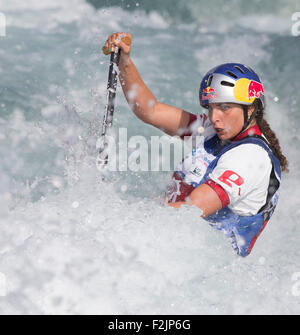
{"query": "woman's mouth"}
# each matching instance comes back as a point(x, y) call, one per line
point(220, 131)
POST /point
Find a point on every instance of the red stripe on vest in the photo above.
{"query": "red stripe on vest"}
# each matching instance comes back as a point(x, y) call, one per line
point(256, 236)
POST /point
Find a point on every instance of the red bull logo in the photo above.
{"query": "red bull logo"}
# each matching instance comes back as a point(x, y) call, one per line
point(254, 89)
point(247, 90)
point(208, 93)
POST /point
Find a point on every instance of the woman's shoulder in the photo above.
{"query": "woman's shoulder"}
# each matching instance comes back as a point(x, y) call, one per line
point(248, 156)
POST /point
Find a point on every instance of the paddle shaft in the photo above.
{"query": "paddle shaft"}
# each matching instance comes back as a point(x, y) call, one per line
point(109, 108)
point(111, 91)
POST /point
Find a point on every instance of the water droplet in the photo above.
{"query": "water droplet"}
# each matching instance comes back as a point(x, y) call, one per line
point(75, 204)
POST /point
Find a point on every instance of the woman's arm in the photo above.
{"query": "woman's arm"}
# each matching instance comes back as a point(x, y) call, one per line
point(143, 103)
point(203, 197)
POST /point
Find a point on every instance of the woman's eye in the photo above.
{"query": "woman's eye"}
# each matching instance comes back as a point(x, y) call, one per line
point(224, 107)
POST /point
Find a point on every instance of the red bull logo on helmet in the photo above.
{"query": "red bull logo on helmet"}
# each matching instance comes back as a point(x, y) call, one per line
point(255, 89)
point(209, 93)
point(247, 90)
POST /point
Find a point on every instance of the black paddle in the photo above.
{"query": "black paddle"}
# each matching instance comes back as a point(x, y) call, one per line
point(110, 107)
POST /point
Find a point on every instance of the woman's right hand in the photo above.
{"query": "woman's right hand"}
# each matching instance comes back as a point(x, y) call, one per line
point(121, 40)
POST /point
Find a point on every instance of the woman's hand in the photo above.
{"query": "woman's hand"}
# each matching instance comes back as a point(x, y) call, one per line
point(121, 40)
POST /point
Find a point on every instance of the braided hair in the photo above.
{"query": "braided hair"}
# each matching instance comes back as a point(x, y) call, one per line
point(269, 134)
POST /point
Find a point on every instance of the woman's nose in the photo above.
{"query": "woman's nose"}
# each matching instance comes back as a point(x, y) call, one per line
point(214, 115)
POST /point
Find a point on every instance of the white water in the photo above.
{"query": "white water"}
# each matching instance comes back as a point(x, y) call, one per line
point(70, 243)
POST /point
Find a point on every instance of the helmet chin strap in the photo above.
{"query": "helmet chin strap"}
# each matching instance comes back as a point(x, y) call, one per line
point(247, 120)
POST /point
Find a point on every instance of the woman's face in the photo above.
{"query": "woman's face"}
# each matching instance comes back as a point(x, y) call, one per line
point(226, 118)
